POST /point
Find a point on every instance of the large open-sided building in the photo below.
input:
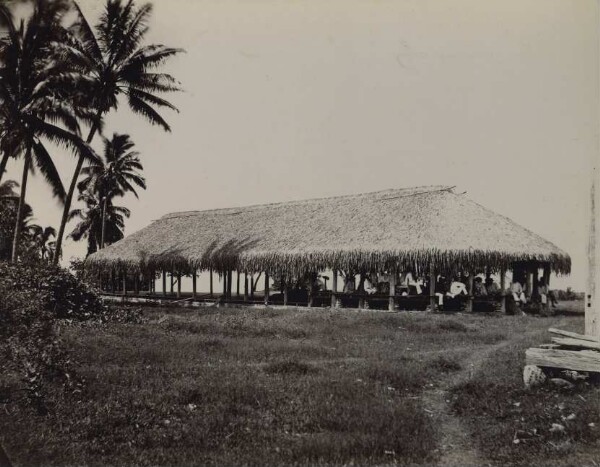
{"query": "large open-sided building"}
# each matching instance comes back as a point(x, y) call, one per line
point(429, 230)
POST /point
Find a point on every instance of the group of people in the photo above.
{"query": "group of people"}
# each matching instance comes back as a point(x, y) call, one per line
point(455, 287)
point(542, 293)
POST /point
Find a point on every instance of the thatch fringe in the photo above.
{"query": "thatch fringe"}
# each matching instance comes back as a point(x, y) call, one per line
point(297, 264)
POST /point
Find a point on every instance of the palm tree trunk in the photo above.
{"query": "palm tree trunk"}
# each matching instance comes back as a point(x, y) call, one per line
point(17, 233)
point(3, 163)
point(104, 203)
point(69, 199)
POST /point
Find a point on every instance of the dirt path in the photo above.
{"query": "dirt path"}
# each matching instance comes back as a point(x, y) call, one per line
point(456, 446)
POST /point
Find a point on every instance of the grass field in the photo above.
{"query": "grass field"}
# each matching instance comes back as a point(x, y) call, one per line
point(255, 386)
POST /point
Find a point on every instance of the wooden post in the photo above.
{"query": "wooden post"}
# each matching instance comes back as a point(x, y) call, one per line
point(285, 293)
point(124, 283)
point(333, 288)
point(245, 286)
point(266, 289)
point(503, 290)
point(592, 307)
point(164, 283)
point(470, 290)
point(225, 284)
point(529, 282)
point(432, 281)
point(546, 276)
point(194, 272)
point(172, 281)
point(252, 285)
point(178, 285)
point(535, 280)
point(211, 283)
point(237, 288)
point(113, 286)
point(229, 283)
point(310, 290)
point(392, 299)
point(136, 284)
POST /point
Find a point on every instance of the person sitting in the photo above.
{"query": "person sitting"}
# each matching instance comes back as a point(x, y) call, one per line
point(546, 294)
point(441, 287)
point(413, 284)
point(457, 288)
point(491, 287)
point(479, 289)
point(349, 283)
point(518, 294)
point(370, 284)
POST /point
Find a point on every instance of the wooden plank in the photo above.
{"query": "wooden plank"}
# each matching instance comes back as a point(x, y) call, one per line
point(579, 343)
point(567, 359)
point(549, 346)
point(574, 335)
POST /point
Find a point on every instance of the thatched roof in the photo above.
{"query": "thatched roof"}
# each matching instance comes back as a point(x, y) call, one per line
point(373, 231)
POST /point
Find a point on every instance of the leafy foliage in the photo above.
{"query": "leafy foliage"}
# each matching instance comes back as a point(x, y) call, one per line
point(60, 292)
point(30, 350)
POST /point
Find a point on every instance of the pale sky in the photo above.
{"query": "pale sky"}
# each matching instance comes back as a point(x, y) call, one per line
point(300, 99)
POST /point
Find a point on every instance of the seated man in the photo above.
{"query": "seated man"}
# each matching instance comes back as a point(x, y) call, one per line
point(441, 287)
point(457, 288)
point(370, 284)
point(516, 289)
point(491, 287)
point(349, 283)
point(413, 284)
point(546, 294)
point(479, 289)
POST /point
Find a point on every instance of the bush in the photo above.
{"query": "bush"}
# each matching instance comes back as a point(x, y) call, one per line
point(31, 352)
point(33, 297)
point(62, 294)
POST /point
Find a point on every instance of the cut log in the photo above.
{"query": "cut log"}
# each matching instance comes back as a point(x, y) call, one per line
point(578, 343)
point(574, 335)
point(566, 359)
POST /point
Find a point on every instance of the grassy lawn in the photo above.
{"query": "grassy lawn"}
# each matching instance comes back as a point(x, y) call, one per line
point(255, 386)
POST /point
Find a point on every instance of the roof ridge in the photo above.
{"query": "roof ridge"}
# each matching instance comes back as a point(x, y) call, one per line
point(425, 189)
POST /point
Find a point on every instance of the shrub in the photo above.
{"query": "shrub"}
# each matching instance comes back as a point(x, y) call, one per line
point(62, 294)
point(31, 352)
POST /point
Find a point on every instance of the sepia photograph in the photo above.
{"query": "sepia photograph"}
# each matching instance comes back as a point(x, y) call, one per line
point(299, 232)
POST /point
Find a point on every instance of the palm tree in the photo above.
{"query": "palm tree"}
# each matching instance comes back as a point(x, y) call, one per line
point(40, 240)
point(113, 175)
point(31, 103)
point(112, 62)
point(91, 219)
